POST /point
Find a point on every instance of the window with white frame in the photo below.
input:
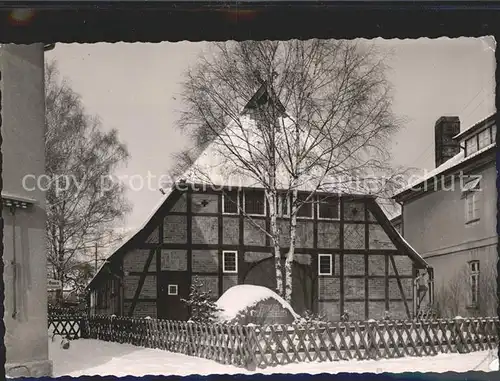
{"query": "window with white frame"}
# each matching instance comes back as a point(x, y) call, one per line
point(328, 208)
point(494, 133)
point(229, 261)
point(471, 145)
point(230, 202)
point(325, 264)
point(471, 207)
point(255, 202)
point(173, 289)
point(474, 282)
point(471, 192)
point(305, 207)
point(484, 138)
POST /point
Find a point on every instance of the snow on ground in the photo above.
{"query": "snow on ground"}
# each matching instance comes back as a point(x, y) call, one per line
point(94, 357)
point(242, 296)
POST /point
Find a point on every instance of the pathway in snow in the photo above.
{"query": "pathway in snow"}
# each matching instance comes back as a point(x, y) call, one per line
point(93, 357)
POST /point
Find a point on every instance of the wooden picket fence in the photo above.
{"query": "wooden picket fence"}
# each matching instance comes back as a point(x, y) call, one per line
point(68, 325)
point(372, 340)
point(259, 347)
point(222, 343)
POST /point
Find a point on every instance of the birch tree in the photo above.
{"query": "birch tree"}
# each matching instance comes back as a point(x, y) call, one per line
point(82, 209)
point(323, 123)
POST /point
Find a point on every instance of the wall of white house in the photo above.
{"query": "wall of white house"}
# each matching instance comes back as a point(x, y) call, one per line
point(436, 223)
point(23, 131)
point(436, 226)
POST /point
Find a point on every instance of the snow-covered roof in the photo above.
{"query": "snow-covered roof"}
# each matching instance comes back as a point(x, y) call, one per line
point(10, 196)
point(397, 216)
point(133, 232)
point(481, 123)
point(217, 165)
point(447, 165)
point(239, 298)
point(397, 238)
point(410, 247)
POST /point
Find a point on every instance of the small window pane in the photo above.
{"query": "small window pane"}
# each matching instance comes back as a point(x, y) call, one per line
point(255, 202)
point(471, 145)
point(474, 282)
point(229, 264)
point(306, 208)
point(328, 207)
point(173, 289)
point(484, 138)
point(474, 266)
point(325, 264)
point(230, 204)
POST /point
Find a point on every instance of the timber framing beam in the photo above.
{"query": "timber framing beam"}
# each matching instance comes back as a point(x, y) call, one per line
point(400, 286)
point(141, 281)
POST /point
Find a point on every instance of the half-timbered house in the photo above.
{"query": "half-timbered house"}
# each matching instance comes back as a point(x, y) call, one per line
point(348, 256)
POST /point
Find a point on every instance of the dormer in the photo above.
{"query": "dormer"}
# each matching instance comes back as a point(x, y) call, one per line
point(478, 137)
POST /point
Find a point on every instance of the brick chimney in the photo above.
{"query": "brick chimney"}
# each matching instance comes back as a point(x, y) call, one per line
point(445, 147)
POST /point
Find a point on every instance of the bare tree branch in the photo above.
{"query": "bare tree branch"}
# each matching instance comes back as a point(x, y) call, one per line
point(324, 119)
point(82, 208)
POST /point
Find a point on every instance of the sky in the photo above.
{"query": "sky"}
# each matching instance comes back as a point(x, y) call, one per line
point(134, 88)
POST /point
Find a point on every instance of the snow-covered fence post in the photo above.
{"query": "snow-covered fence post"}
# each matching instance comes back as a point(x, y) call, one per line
point(189, 327)
point(459, 340)
point(249, 360)
point(112, 328)
point(371, 340)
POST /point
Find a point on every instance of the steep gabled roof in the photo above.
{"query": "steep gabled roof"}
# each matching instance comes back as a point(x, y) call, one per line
point(141, 232)
point(220, 174)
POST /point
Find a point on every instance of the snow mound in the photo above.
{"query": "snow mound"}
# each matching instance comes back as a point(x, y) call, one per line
point(494, 365)
point(241, 297)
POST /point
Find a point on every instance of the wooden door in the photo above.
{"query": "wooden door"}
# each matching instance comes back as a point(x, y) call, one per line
point(174, 286)
point(303, 288)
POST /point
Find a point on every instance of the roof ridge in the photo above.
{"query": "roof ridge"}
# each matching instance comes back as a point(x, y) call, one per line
point(484, 120)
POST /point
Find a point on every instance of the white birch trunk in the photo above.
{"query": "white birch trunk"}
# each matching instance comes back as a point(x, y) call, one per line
point(291, 250)
point(275, 234)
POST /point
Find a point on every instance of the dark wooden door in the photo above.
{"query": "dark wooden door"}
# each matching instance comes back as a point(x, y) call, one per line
point(303, 290)
point(174, 286)
point(262, 273)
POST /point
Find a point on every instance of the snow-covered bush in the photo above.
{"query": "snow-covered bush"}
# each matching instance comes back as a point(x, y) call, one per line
point(453, 296)
point(309, 317)
point(201, 304)
point(344, 317)
point(254, 305)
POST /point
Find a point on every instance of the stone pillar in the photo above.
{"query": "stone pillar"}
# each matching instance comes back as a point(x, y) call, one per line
point(24, 215)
